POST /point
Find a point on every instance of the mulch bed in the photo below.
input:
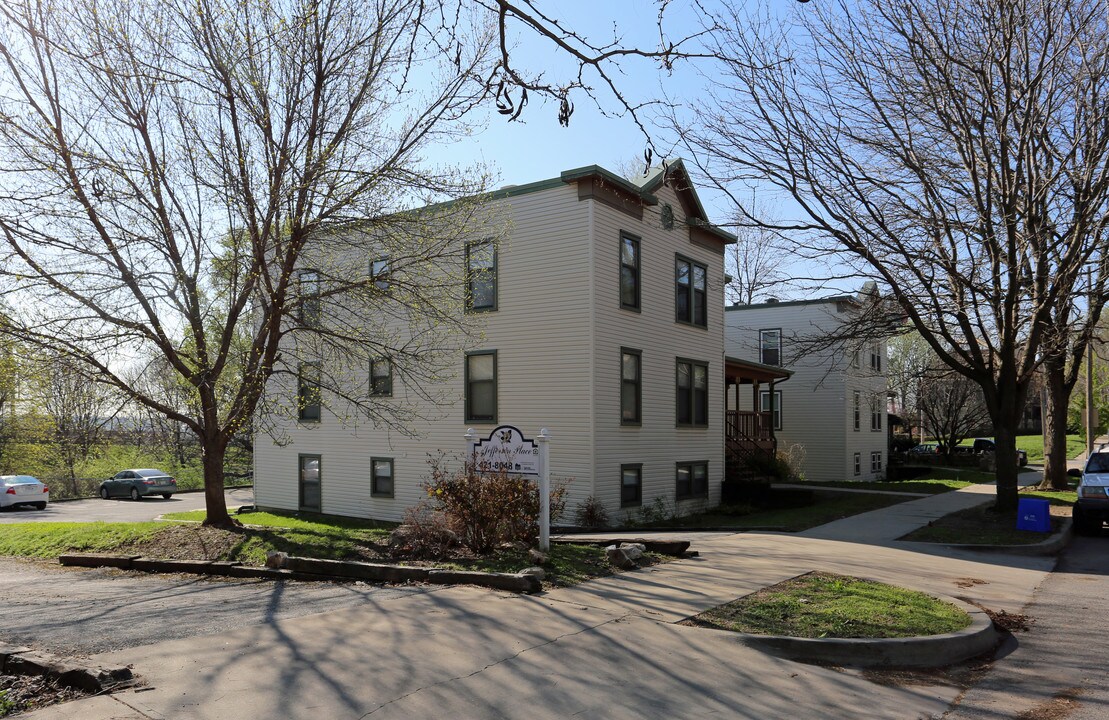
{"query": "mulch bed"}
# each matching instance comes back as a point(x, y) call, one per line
point(20, 693)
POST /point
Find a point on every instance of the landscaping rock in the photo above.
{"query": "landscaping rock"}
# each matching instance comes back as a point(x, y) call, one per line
point(276, 560)
point(621, 557)
point(536, 571)
point(538, 556)
point(88, 678)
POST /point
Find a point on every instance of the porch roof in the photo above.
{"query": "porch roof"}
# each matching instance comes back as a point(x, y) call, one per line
point(742, 372)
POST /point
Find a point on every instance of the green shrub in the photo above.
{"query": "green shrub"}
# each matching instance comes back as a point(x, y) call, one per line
point(591, 513)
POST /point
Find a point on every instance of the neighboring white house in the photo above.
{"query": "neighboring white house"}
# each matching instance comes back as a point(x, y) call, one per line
point(834, 405)
point(601, 318)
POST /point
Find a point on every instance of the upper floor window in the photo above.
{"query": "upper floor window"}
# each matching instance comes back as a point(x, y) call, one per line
point(772, 403)
point(308, 292)
point(629, 272)
point(858, 409)
point(381, 376)
point(876, 412)
point(379, 271)
point(692, 393)
point(308, 391)
point(631, 386)
point(876, 357)
point(690, 292)
point(770, 347)
point(481, 275)
point(481, 386)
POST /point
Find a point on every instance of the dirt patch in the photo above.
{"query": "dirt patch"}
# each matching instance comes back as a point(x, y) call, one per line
point(20, 693)
point(970, 582)
point(1059, 707)
point(185, 542)
point(963, 675)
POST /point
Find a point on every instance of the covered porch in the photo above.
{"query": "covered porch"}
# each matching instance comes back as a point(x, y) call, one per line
point(749, 432)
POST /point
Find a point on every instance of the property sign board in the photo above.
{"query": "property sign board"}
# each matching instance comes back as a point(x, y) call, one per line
point(507, 449)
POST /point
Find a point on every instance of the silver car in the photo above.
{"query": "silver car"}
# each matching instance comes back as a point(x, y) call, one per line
point(137, 484)
point(23, 490)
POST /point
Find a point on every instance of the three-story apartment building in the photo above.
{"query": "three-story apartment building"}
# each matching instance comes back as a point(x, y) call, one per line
point(601, 318)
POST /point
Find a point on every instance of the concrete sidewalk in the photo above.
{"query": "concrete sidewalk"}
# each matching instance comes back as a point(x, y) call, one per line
point(603, 649)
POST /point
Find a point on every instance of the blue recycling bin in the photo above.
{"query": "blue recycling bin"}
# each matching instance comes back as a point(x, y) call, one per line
point(1034, 514)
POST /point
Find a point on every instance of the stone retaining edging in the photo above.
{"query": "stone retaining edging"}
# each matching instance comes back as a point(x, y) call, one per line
point(297, 568)
point(15, 660)
point(915, 652)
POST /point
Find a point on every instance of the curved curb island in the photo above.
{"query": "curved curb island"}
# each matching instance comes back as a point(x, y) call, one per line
point(913, 652)
point(1048, 547)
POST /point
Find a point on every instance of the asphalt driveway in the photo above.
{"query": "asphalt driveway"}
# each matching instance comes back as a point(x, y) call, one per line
point(120, 510)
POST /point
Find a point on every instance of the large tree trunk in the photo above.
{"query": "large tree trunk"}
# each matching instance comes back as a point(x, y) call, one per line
point(1054, 418)
point(213, 450)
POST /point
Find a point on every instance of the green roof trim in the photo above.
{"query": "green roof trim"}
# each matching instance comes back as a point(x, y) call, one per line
point(770, 369)
point(721, 233)
point(787, 303)
point(581, 173)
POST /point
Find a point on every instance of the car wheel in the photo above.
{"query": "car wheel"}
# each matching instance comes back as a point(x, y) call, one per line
point(1083, 525)
point(104, 493)
point(40, 506)
point(167, 496)
point(135, 494)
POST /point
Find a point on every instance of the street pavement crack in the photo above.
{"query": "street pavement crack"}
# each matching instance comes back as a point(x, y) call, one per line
point(498, 662)
point(131, 707)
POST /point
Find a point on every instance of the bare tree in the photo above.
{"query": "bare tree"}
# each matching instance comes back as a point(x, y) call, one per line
point(954, 150)
point(951, 405)
point(78, 408)
point(758, 261)
point(140, 141)
point(909, 359)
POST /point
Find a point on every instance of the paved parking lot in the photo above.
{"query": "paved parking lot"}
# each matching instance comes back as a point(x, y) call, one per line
point(120, 510)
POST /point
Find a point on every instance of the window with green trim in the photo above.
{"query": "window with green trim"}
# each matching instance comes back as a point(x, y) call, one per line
point(481, 387)
point(629, 272)
point(692, 398)
point(631, 485)
point(308, 391)
point(481, 276)
point(631, 386)
point(382, 481)
point(308, 293)
point(690, 292)
point(381, 377)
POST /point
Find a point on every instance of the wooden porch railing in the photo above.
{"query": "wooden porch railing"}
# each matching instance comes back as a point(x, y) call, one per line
point(743, 425)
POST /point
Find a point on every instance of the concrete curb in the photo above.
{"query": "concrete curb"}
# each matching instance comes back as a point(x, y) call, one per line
point(15, 660)
point(1048, 547)
point(677, 548)
point(916, 652)
point(297, 568)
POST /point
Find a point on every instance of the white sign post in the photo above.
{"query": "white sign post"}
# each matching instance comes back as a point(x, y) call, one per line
point(507, 449)
point(544, 489)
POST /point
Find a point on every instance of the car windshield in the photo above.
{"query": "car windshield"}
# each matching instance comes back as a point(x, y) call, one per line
point(18, 479)
point(148, 472)
point(1099, 463)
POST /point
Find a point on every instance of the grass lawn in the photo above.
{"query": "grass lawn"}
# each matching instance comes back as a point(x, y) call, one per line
point(982, 526)
point(48, 539)
point(938, 480)
point(819, 605)
point(829, 506)
point(306, 536)
point(1033, 445)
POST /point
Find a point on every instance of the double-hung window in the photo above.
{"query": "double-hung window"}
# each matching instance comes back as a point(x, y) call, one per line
point(875, 462)
point(690, 292)
point(692, 393)
point(629, 272)
point(858, 464)
point(857, 399)
point(381, 377)
point(876, 413)
point(631, 386)
point(876, 357)
point(379, 272)
point(692, 480)
point(631, 485)
point(481, 276)
point(775, 410)
point(770, 347)
point(481, 386)
point(308, 391)
point(381, 482)
point(308, 292)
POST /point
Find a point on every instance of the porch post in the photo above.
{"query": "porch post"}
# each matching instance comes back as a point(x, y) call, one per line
point(773, 438)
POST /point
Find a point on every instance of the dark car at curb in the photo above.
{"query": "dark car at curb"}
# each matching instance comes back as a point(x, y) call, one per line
point(138, 483)
point(987, 445)
point(1091, 508)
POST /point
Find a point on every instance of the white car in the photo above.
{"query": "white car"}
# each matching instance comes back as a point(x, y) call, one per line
point(23, 490)
point(1091, 509)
